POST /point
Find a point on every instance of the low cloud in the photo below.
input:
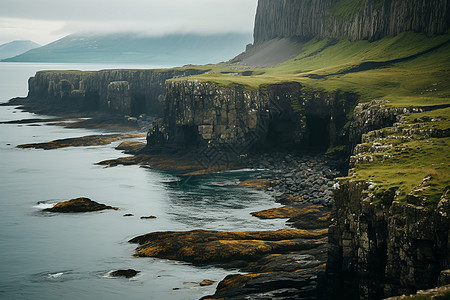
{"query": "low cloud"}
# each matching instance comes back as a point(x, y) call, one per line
point(48, 20)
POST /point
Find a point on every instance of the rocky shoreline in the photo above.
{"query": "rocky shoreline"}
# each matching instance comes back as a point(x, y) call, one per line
point(277, 266)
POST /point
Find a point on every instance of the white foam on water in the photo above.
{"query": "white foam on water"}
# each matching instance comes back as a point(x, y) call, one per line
point(44, 205)
point(55, 275)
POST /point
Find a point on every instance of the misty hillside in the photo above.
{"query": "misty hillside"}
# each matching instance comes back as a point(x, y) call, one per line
point(134, 48)
point(16, 47)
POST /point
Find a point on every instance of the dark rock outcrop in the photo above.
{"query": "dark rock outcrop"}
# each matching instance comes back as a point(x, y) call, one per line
point(78, 205)
point(130, 92)
point(202, 246)
point(124, 273)
point(277, 261)
point(237, 120)
point(388, 248)
point(355, 19)
point(85, 141)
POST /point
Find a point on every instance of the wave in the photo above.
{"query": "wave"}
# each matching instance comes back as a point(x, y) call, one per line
point(55, 275)
point(44, 205)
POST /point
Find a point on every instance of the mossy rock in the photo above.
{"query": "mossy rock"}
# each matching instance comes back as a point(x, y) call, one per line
point(202, 246)
point(79, 205)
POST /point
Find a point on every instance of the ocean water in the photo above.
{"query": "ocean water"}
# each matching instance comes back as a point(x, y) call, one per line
point(69, 256)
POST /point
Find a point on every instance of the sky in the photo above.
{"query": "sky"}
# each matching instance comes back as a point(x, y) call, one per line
point(44, 21)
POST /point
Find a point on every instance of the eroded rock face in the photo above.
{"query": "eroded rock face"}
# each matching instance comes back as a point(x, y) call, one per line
point(132, 92)
point(401, 247)
point(376, 114)
point(209, 116)
point(357, 20)
point(78, 205)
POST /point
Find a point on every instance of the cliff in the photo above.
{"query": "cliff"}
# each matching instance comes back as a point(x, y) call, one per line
point(354, 19)
point(390, 232)
point(130, 92)
point(238, 120)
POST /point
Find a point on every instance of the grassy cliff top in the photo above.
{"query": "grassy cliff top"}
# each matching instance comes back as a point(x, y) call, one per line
point(408, 69)
point(415, 161)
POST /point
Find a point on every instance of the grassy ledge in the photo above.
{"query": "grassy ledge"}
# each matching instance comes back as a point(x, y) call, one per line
point(416, 160)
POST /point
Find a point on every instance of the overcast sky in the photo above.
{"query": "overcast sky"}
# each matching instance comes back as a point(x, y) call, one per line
point(44, 21)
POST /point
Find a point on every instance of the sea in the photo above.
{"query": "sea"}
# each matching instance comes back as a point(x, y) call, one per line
point(69, 256)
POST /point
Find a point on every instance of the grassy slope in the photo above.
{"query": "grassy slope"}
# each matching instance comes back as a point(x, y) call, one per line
point(421, 81)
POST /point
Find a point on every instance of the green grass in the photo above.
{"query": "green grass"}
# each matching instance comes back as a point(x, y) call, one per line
point(421, 81)
point(408, 162)
point(347, 9)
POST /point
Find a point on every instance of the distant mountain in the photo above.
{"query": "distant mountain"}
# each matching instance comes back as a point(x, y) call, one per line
point(135, 48)
point(16, 47)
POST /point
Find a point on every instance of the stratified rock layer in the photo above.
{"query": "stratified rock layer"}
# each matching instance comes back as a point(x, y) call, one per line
point(131, 92)
point(237, 120)
point(383, 244)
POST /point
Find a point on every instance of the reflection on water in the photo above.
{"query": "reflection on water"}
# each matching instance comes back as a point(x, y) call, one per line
point(215, 201)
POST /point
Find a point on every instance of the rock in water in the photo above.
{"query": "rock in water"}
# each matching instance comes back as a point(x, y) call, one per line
point(207, 282)
point(148, 218)
point(79, 205)
point(124, 273)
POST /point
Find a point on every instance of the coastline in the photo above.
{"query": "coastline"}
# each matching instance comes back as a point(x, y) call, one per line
point(279, 176)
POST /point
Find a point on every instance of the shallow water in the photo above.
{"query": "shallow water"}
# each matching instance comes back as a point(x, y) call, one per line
point(68, 256)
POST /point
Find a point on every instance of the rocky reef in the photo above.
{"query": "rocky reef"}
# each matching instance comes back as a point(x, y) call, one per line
point(354, 19)
point(129, 92)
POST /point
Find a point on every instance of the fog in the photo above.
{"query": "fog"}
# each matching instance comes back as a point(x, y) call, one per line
point(44, 21)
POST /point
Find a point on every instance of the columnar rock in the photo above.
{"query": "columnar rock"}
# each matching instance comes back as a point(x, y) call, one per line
point(357, 19)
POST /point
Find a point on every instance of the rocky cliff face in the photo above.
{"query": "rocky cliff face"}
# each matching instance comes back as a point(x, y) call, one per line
point(354, 19)
point(131, 92)
point(200, 114)
point(380, 246)
point(387, 249)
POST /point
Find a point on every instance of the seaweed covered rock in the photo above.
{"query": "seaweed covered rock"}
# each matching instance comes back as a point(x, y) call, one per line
point(300, 216)
point(202, 246)
point(78, 205)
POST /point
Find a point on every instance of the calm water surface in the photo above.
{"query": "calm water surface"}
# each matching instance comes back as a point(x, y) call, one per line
point(68, 256)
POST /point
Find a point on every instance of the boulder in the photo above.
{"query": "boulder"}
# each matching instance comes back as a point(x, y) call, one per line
point(79, 205)
point(124, 273)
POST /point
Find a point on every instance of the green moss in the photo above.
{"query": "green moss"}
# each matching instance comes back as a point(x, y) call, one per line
point(338, 150)
point(404, 167)
point(347, 9)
